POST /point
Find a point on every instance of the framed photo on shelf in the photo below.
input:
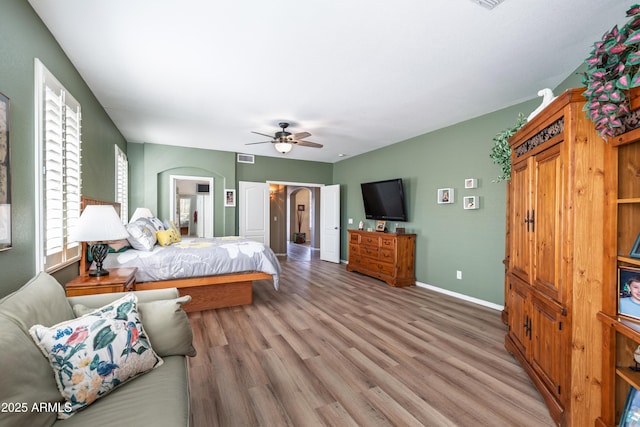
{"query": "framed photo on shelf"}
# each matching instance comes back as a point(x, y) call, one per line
point(629, 292)
point(229, 198)
point(445, 195)
point(635, 250)
point(631, 413)
point(5, 176)
point(381, 225)
point(470, 202)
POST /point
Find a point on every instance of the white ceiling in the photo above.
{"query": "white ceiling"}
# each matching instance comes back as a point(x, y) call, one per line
point(357, 74)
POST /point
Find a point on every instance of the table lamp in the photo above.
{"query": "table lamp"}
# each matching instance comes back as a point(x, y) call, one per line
point(98, 225)
point(141, 213)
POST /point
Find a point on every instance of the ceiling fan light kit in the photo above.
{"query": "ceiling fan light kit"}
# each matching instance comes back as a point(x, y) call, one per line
point(284, 141)
point(283, 147)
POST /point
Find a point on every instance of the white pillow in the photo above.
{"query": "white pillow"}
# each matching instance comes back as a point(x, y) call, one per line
point(93, 354)
point(142, 234)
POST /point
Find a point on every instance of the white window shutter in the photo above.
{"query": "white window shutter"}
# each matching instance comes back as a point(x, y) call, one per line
point(122, 184)
point(59, 139)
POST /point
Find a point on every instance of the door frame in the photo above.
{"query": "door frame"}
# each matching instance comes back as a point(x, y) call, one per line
point(172, 194)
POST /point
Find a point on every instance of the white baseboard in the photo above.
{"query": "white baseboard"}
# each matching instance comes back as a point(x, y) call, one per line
point(462, 296)
point(455, 294)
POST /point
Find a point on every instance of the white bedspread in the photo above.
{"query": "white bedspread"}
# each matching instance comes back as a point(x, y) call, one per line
point(197, 257)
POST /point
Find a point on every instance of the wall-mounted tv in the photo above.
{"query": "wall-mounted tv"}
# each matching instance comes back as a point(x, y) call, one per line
point(384, 200)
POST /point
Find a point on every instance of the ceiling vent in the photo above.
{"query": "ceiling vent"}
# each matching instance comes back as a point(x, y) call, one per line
point(246, 158)
point(489, 4)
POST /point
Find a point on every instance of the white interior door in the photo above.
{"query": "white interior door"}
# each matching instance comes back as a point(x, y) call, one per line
point(253, 205)
point(330, 223)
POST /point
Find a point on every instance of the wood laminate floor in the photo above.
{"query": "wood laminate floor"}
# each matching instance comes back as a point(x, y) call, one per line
point(342, 349)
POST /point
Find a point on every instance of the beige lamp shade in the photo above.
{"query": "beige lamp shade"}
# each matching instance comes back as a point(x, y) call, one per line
point(99, 223)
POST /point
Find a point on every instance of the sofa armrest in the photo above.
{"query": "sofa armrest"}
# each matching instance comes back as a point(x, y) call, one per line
point(100, 300)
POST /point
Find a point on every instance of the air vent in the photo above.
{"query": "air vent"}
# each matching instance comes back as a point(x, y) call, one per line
point(489, 4)
point(246, 158)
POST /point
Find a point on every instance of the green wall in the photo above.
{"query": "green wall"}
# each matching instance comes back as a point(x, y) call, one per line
point(24, 37)
point(152, 164)
point(285, 170)
point(449, 238)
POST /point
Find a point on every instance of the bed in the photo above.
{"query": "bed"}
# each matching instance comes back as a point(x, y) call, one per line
point(221, 272)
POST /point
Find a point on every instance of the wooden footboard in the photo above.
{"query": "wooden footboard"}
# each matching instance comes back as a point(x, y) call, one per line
point(227, 290)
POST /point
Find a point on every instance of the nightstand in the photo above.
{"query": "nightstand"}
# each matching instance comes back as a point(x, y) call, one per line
point(118, 280)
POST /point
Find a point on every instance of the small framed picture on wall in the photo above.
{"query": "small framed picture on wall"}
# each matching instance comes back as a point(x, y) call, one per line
point(229, 198)
point(445, 195)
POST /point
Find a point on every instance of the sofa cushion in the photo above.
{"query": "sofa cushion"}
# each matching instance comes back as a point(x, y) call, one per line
point(159, 398)
point(166, 324)
point(95, 353)
point(26, 381)
point(42, 301)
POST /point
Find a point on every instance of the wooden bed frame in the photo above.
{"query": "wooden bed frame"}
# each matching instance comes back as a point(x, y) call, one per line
point(208, 292)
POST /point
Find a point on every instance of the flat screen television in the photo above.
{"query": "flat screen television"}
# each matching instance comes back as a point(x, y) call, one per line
point(384, 200)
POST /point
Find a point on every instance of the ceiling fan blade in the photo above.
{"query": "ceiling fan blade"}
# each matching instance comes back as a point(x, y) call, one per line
point(308, 144)
point(300, 135)
point(263, 134)
point(254, 143)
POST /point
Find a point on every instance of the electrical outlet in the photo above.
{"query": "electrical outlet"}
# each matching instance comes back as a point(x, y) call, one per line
point(459, 275)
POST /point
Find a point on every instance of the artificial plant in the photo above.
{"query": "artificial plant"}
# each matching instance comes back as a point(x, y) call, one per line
point(501, 151)
point(613, 68)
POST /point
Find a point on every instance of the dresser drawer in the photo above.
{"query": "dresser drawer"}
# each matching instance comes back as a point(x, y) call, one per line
point(370, 251)
point(370, 241)
point(354, 249)
point(387, 243)
point(383, 268)
point(354, 238)
point(387, 255)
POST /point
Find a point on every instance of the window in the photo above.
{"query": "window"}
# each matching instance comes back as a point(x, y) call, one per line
point(58, 184)
point(122, 184)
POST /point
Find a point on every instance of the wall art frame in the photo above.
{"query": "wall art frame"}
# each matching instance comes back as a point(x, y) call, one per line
point(470, 202)
point(229, 198)
point(5, 174)
point(471, 183)
point(445, 195)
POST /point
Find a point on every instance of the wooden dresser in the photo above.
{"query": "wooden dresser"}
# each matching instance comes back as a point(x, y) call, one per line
point(385, 256)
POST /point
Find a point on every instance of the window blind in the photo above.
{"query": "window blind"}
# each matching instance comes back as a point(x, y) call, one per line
point(122, 184)
point(59, 139)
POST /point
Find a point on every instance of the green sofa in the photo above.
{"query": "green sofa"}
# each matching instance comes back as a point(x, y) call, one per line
point(28, 391)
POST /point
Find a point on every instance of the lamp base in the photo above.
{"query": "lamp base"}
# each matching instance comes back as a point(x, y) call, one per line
point(98, 273)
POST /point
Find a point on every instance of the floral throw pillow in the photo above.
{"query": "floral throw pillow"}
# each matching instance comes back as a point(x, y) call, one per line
point(93, 354)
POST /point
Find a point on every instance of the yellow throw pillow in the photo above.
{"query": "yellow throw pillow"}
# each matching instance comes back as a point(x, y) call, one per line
point(167, 237)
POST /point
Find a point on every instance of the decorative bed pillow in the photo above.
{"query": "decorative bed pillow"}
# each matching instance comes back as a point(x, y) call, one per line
point(156, 222)
point(142, 234)
point(93, 354)
point(167, 237)
point(166, 324)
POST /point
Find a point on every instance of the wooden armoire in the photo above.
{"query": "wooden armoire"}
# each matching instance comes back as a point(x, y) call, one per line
point(554, 258)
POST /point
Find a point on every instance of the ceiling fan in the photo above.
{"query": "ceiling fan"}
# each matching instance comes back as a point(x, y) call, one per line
point(284, 141)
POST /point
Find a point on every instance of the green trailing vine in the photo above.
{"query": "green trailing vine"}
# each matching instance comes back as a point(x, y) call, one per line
point(501, 151)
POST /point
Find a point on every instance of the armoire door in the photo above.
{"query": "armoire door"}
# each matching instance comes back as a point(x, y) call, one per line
point(519, 318)
point(520, 228)
point(547, 216)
